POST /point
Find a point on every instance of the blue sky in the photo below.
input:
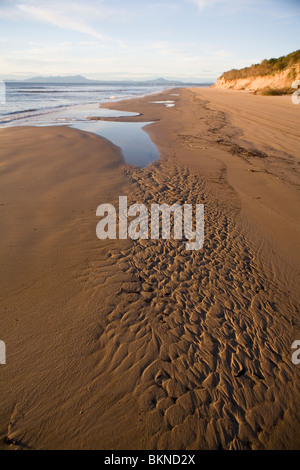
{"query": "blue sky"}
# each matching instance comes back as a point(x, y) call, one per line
point(139, 39)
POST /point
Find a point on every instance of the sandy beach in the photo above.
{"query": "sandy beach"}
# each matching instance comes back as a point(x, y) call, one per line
point(142, 344)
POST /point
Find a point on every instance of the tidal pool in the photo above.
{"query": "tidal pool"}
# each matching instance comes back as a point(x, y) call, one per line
point(135, 144)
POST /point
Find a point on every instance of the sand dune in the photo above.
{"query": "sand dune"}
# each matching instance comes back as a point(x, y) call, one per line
point(144, 345)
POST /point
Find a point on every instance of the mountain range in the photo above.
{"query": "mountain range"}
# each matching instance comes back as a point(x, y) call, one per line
point(79, 79)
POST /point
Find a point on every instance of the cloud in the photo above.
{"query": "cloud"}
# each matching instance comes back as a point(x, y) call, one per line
point(73, 18)
point(228, 4)
point(82, 17)
point(201, 3)
point(224, 53)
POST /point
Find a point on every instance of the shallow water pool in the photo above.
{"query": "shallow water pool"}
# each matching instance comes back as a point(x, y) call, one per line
point(136, 145)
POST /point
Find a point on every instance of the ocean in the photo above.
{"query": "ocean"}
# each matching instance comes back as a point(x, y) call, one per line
point(52, 104)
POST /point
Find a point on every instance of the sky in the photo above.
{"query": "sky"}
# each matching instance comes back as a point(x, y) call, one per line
point(189, 40)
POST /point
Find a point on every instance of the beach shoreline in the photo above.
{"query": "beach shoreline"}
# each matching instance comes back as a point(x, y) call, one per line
point(141, 345)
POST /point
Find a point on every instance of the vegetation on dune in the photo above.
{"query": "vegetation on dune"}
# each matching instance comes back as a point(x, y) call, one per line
point(276, 91)
point(266, 67)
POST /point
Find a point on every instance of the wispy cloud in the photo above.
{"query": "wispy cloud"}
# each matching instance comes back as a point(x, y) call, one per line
point(200, 3)
point(72, 15)
point(229, 5)
point(277, 8)
point(74, 18)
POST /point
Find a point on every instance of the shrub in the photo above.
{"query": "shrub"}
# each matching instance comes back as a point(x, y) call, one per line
point(276, 91)
point(266, 67)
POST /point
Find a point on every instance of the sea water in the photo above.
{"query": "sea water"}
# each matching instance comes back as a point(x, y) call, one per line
point(48, 104)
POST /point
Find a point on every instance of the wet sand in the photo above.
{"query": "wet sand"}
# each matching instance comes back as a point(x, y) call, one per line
point(144, 345)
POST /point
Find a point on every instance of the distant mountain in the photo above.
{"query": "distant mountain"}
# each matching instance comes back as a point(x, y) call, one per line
point(79, 79)
point(71, 79)
point(163, 81)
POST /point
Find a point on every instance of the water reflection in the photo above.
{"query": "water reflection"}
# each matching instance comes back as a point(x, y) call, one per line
point(136, 145)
